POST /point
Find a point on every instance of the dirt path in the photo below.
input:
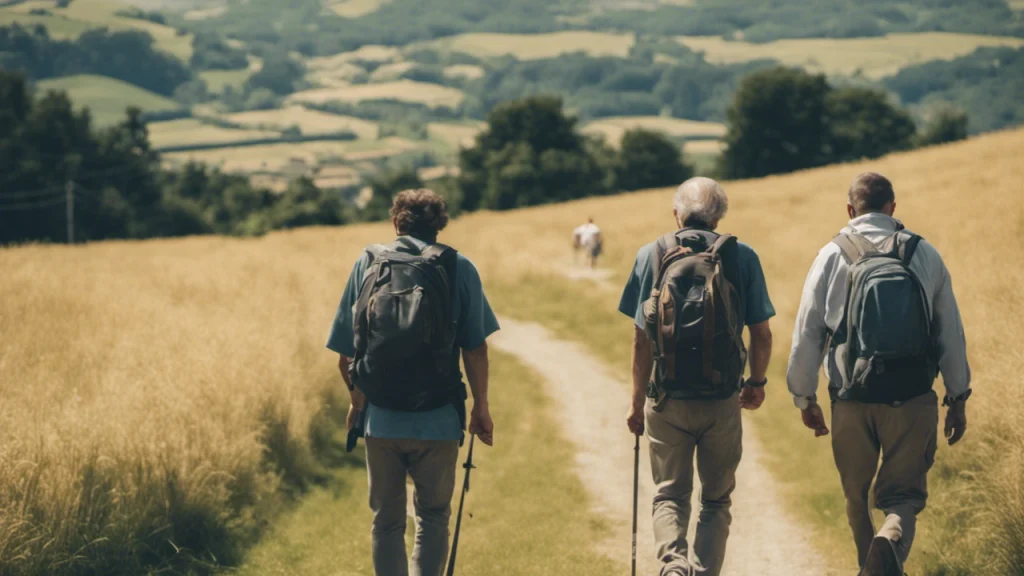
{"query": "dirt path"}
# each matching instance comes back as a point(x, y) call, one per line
point(764, 540)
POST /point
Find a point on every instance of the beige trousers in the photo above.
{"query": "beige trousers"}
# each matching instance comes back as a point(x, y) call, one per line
point(905, 437)
point(713, 430)
point(431, 464)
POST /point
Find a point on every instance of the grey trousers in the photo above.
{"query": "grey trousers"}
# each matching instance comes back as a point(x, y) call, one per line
point(431, 464)
point(905, 436)
point(713, 429)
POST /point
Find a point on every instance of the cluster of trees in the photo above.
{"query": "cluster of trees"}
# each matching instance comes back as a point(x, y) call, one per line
point(988, 84)
point(785, 119)
point(211, 52)
point(117, 185)
point(598, 87)
point(768, 21)
point(126, 55)
point(532, 153)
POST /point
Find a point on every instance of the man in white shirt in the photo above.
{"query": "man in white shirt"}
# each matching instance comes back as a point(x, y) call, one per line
point(901, 428)
point(587, 237)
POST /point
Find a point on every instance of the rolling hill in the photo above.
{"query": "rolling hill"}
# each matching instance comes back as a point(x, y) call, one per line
point(240, 326)
point(107, 98)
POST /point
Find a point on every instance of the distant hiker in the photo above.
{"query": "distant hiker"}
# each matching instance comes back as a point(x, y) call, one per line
point(587, 238)
point(409, 309)
point(690, 295)
point(878, 306)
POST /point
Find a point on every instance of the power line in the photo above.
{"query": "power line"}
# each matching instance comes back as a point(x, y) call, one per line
point(30, 194)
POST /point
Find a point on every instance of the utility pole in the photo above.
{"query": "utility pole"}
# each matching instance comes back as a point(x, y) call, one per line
point(70, 190)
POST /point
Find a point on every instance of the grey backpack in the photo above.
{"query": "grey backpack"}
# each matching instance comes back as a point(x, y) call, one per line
point(406, 356)
point(693, 317)
point(883, 348)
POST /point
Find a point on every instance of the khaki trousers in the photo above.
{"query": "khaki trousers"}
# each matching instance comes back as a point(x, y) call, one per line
point(431, 464)
point(905, 437)
point(713, 429)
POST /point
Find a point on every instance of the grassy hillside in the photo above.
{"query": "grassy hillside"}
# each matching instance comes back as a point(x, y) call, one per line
point(155, 382)
point(107, 98)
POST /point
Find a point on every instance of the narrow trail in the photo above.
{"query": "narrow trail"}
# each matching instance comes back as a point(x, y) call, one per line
point(764, 539)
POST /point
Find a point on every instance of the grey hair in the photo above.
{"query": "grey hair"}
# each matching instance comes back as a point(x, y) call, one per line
point(701, 201)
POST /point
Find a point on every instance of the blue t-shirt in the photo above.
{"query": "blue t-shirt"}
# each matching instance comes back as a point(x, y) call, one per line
point(756, 306)
point(475, 321)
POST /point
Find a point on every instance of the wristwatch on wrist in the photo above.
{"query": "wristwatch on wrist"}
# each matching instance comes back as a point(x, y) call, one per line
point(950, 400)
point(804, 402)
point(752, 384)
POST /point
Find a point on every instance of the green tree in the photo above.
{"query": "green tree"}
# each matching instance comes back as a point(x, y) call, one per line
point(776, 123)
point(649, 160)
point(384, 187)
point(530, 153)
point(948, 125)
point(862, 123)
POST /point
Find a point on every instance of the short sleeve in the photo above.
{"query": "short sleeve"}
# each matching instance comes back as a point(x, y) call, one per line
point(341, 338)
point(638, 287)
point(476, 318)
point(759, 306)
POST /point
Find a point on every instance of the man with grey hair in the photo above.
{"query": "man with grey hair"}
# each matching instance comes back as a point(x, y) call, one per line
point(690, 295)
point(878, 308)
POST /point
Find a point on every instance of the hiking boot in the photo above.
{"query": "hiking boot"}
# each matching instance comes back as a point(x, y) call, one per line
point(882, 559)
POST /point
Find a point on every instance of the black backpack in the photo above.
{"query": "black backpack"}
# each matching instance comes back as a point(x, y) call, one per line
point(693, 317)
point(883, 348)
point(406, 356)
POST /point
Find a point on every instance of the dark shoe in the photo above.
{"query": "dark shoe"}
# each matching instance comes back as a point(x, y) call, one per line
point(882, 559)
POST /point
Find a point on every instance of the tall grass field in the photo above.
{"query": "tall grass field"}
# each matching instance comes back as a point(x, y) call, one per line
point(159, 396)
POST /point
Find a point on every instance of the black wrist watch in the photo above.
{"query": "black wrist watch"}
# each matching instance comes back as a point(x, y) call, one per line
point(950, 400)
point(752, 384)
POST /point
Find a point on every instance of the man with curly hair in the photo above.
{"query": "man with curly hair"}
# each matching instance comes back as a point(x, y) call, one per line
point(409, 310)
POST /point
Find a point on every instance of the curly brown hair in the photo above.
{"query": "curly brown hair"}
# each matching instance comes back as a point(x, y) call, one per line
point(419, 213)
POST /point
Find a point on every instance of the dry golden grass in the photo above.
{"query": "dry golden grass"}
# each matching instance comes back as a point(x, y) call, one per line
point(218, 80)
point(309, 121)
point(873, 57)
point(538, 46)
point(432, 95)
point(139, 378)
point(191, 131)
point(467, 71)
point(200, 14)
point(613, 128)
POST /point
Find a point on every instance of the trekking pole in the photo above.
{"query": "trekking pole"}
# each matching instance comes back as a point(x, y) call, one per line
point(462, 500)
point(636, 490)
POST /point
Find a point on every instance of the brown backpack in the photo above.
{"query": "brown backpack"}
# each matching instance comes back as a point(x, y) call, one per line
point(693, 318)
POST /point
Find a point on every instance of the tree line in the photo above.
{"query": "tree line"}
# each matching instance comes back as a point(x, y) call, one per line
point(530, 153)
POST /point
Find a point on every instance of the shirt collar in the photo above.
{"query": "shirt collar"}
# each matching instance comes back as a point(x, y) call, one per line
point(874, 222)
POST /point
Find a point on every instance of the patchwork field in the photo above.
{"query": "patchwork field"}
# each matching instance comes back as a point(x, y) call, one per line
point(310, 122)
point(537, 46)
point(107, 98)
point(190, 131)
point(288, 157)
point(873, 57)
point(82, 15)
point(455, 134)
point(432, 95)
point(613, 128)
point(355, 8)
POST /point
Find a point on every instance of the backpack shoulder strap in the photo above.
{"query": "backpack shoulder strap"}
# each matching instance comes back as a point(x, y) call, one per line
point(721, 243)
point(661, 248)
point(373, 251)
point(906, 245)
point(853, 245)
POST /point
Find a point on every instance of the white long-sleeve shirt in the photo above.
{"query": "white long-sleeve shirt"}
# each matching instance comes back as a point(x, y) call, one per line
point(824, 300)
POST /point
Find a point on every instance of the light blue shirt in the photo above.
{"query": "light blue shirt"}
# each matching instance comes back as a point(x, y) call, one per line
point(756, 306)
point(475, 321)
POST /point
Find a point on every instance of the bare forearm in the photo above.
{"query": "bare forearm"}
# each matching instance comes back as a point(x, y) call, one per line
point(760, 351)
point(643, 364)
point(477, 372)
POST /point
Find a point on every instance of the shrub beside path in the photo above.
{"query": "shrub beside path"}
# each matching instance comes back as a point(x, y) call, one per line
point(764, 539)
